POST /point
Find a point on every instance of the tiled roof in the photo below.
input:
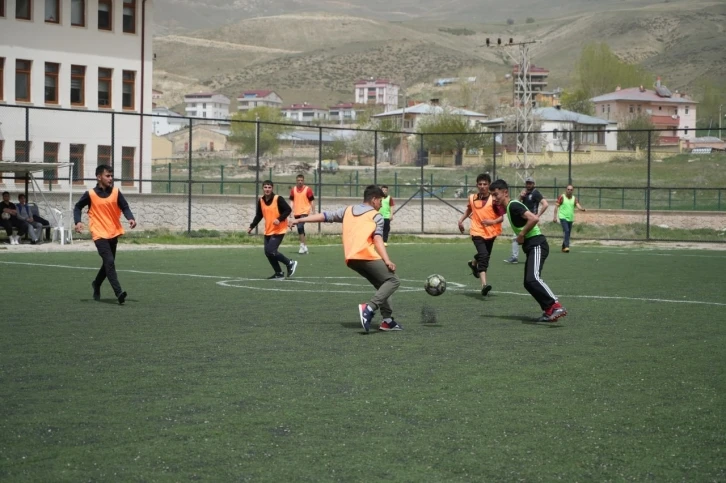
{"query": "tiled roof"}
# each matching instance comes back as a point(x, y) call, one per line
point(424, 108)
point(255, 93)
point(302, 107)
point(647, 95)
point(377, 81)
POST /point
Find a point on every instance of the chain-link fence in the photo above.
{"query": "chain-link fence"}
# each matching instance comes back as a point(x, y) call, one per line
point(656, 186)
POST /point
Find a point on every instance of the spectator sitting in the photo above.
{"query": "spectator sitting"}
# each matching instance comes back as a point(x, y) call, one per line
point(9, 219)
point(35, 227)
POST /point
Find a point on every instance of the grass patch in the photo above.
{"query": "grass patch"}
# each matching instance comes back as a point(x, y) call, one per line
point(209, 373)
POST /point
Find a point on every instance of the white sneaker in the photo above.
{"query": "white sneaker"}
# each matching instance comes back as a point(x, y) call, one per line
point(306, 249)
point(14, 240)
point(302, 249)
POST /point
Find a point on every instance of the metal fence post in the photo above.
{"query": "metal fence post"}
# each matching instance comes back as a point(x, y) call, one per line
point(221, 184)
point(189, 183)
point(320, 175)
point(494, 156)
point(569, 157)
point(375, 158)
point(421, 160)
point(647, 191)
point(113, 140)
point(168, 186)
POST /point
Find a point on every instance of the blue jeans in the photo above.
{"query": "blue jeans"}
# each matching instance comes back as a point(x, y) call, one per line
point(566, 229)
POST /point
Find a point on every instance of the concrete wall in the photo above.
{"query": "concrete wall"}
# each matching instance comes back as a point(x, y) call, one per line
point(234, 213)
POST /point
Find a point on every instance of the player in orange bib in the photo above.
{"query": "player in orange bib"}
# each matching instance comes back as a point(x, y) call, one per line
point(366, 254)
point(105, 204)
point(302, 198)
point(274, 210)
point(485, 226)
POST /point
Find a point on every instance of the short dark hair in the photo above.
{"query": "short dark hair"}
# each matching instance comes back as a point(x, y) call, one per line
point(268, 181)
point(6, 193)
point(101, 168)
point(372, 191)
point(499, 184)
point(384, 186)
point(484, 177)
point(21, 195)
point(300, 176)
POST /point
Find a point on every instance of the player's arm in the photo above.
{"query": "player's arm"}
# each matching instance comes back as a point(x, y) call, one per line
point(258, 216)
point(314, 218)
point(467, 214)
point(543, 205)
point(311, 198)
point(579, 206)
point(532, 220)
point(78, 208)
point(378, 243)
point(126, 210)
point(498, 210)
point(557, 208)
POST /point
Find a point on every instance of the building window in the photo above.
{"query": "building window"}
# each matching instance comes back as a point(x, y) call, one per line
point(23, 9)
point(22, 80)
point(675, 111)
point(2, 13)
point(130, 16)
point(76, 157)
point(2, 76)
point(105, 14)
point(127, 165)
point(78, 13)
point(129, 88)
point(105, 77)
point(22, 151)
point(50, 155)
point(104, 155)
point(685, 131)
point(631, 109)
point(686, 106)
point(52, 11)
point(51, 83)
point(78, 85)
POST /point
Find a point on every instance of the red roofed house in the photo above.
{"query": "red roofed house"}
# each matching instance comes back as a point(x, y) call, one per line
point(673, 113)
point(304, 112)
point(257, 98)
point(378, 91)
point(344, 112)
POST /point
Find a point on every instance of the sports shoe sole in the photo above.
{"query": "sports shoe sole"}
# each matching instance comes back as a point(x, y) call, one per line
point(473, 269)
point(291, 269)
point(513, 262)
point(556, 314)
point(389, 329)
point(485, 290)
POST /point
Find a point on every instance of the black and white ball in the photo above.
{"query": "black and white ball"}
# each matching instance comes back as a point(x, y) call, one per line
point(435, 285)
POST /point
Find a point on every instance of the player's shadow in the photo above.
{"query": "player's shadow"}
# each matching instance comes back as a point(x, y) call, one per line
point(528, 320)
point(477, 295)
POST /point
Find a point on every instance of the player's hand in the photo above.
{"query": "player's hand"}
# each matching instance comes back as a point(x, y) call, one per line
point(555, 220)
point(249, 230)
point(276, 222)
point(132, 223)
point(520, 239)
point(461, 227)
point(523, 193)
point(79, 227)
point(391, 266)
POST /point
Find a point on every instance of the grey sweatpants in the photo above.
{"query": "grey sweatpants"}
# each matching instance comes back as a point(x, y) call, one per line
point(385, 282)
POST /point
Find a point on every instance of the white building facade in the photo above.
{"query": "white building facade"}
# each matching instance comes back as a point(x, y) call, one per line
point(207, 105)
point(87, 64)
point(258, 98)
point(165, 121)
point(377, 92)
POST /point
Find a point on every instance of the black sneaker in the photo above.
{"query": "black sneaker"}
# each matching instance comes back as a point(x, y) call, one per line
point(96, 291)
point(474, 271)
point(291, 268)
point(122, 298)
point(485, 290)
point(277, 276)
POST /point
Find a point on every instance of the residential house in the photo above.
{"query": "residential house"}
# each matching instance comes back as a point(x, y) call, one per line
point(164, 121)
point(258, 98)
point(304, 112)
point(205, 138)
point(379, 91)
point(156, 94)
point(343, 112)
point(207, 105)
point(409, 117)
point(558, 126)
point(674, 114)
point(85, 56)
point(536, 78)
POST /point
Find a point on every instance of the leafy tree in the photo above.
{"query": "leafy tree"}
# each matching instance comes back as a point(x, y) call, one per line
point(709, 100)
point(449, 132)
point(577, 101)
point(599, 71)
point(335, 149)
point(634, 133)
point(244, 133)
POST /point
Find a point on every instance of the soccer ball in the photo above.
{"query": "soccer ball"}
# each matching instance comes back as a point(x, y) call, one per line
point(435, 285)
point(6, 216)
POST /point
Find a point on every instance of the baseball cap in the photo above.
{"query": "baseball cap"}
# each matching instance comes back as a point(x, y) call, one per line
point(529, 180)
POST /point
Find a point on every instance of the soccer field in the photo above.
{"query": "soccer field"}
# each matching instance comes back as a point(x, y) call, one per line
point(211, 373)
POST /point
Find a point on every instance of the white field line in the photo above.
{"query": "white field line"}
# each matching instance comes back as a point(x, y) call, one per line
point(454, 286)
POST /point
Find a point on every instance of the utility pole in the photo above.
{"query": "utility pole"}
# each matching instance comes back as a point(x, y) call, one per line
point(403, 121)
point(720, 132)
point(522, 100)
